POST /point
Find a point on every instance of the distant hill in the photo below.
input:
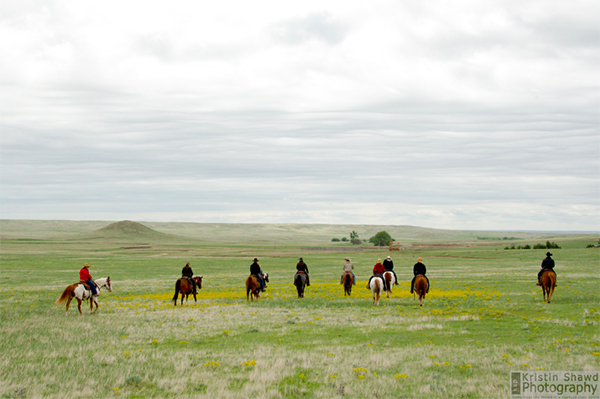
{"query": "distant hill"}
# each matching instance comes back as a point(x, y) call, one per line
point(269, 234)
point(128, 227)
point(129, 231)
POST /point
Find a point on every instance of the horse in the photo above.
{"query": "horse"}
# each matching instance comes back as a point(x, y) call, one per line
point(81, 293)
point(420, 287)
point(253, 287)
point(389, 281)
point(347, 281)
point(300, 283)
point(184, 287)
point(376, 289)
point(548, 282)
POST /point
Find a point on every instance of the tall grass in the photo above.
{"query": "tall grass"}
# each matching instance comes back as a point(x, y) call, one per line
point(484, 317)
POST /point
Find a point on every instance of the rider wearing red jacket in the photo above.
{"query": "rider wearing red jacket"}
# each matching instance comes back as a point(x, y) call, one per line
point(84, 275)
point(378, 271)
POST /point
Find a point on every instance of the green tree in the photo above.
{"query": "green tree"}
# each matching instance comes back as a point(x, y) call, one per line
point(354, 238)
point(383, 238)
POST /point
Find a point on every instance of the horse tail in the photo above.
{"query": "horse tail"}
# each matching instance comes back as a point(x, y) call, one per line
point(177, 289)
point(65, 295)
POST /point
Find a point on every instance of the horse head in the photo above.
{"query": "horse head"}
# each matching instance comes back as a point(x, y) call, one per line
point(104, 282)
point(198, 280)
point(266, 277)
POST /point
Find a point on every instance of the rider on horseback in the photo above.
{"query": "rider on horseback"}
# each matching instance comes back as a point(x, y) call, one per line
point(378, 271)
point(348, 267)
point(419, 268)
point(85, 276)
point(302, 268)
point(187, 274)
point(256, 271)
point(388, 265)
point(547, 264)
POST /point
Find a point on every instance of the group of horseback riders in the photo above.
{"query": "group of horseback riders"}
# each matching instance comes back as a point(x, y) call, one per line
point(255, 270)
point(380, 267)
point(388, 266)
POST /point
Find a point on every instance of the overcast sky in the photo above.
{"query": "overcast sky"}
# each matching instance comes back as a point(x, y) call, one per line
point(445, 114)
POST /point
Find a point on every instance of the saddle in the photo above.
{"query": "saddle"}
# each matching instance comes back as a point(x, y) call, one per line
point(85, 284)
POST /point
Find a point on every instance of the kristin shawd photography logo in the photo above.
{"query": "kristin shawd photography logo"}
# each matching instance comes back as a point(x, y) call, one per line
point(554, 384)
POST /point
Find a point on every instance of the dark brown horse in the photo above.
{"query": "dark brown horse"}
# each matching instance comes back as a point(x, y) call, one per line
point(253, 287)
point(185, 288)
point(300, 283)
point(548, 282)
point(347, 280)
point(420, 287)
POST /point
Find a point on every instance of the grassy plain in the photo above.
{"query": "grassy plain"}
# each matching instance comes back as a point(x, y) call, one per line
point(484, 315)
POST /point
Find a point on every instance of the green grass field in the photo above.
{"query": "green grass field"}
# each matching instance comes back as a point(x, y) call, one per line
point(483, 318)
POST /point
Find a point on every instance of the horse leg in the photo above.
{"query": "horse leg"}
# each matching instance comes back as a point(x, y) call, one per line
point(79, 306)
point(93, 302)
point(550, 291)
point(68, 303)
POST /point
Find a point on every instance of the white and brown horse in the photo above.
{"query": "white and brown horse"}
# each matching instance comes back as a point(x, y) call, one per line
point(82, 293)
point(376, 289)
point(389, 281)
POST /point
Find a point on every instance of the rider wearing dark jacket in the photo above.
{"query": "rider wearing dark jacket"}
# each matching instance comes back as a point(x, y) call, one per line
point(256, 271)
point(301, 267)
point(419, 268)
point(388, 265)
point(187, 274)
point(547, 264)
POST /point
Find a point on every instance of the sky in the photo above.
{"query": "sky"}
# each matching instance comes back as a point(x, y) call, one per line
point(460, 115)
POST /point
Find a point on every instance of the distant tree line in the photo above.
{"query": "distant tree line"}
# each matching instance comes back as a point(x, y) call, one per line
point(382, 238)
point(499, 238)
point(547, 245)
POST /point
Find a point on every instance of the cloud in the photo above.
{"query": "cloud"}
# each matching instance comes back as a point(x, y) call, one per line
point(444, 115)
point(314, 26)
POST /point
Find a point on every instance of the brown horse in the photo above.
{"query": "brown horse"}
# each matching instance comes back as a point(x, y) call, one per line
point(253, 287)
point(184, 287)
point(82, 293)
point(347, 280)
point(420, 287)
point(548, 282)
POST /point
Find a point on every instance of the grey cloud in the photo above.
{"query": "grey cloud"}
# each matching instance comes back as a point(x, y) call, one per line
point(315, 26)
point(157, 45)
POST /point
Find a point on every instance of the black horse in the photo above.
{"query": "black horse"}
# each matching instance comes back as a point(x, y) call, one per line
point(300, 283)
